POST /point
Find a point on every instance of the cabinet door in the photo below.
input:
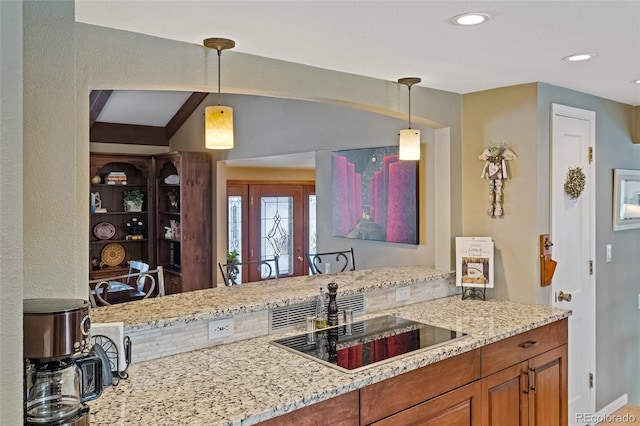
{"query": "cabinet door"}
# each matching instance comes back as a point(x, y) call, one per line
point(460, 407)
point(549, 393)
point(505, 397)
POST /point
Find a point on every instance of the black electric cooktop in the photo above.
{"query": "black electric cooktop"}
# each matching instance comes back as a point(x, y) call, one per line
point(355, 346)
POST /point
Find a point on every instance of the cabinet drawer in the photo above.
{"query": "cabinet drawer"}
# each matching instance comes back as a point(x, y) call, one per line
point(401, 392)
point(458, 407)
point(339, 411)
point(510, 351)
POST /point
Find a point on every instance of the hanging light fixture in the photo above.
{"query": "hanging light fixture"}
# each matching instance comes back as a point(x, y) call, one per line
point(218, 133)
point(409, 138)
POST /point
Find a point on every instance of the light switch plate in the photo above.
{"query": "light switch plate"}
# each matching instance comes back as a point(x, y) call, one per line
point(608, 254)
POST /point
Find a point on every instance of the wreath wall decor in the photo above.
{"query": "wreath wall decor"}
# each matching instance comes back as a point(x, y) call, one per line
point(575, 182)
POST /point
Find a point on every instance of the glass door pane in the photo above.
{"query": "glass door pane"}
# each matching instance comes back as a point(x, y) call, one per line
point(235, 224)
point(277, 227)
point(312, 224)
point(276, 233)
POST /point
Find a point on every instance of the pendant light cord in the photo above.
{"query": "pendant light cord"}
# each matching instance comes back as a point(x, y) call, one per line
point(409, 106)
point(219, 55)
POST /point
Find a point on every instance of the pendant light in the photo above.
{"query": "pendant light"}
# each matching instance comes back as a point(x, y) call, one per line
point(218, 133)
point(409, 138)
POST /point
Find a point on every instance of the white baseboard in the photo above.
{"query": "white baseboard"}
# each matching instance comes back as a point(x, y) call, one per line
point(612, 407)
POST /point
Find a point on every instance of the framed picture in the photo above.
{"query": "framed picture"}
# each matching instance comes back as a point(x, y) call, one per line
point(626, 199)
point(474, 262)
point(375, 195)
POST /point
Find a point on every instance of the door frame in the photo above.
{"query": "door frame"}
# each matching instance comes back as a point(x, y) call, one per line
point(590, 116)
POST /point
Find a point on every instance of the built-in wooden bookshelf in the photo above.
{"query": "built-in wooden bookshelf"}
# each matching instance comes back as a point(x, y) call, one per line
point(176, 216)
point(183, 219)
point(138, 170)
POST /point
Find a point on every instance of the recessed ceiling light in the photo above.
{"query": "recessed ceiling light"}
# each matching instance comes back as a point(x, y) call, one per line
point(579, 57)
point(637, 81)
point(472, 18)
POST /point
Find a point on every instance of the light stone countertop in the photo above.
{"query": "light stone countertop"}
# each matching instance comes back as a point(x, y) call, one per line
point(245, 382)
point(228, 301)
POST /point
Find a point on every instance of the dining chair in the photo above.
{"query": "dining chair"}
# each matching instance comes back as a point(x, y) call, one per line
point(129, 287)
point(339, 263)
point(138, 266)
point(232, 272)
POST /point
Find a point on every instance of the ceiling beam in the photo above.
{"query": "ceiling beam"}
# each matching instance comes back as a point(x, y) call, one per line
point(128, 134)
point(97, 101)
point(184, 112)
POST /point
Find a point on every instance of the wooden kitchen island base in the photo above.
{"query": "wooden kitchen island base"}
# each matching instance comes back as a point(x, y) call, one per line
point(521, 380)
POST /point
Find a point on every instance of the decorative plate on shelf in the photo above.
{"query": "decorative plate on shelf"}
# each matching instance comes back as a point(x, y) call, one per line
point(104, 230)
point(112, 254)
point(172, 179)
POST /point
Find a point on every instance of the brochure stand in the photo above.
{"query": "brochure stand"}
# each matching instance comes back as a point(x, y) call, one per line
point(474, 266)
point(474, 293)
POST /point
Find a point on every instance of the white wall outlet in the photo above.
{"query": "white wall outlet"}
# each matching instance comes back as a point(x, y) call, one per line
point(608, 254)
point(403, 293)
point(220, 328)
point(327, 268)
point(639, 301)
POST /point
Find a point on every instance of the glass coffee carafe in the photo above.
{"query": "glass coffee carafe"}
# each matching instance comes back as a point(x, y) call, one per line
point(56, 390)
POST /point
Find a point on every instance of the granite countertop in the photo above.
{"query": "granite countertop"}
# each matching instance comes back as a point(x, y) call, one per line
point(228, 301)
point(249, 381)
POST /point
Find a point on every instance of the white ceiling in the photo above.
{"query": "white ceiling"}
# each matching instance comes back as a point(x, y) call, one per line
point(143, 107)
point(524, 41)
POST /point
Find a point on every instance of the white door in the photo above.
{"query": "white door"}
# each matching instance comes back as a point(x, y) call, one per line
point(573, 238)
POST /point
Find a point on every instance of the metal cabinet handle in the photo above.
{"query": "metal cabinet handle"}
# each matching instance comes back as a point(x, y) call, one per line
point(526, 387)
point(564, 297)
point(528, 344)
point(535, 380)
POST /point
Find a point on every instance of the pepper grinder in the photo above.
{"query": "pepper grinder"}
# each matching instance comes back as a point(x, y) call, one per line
point(332, 309)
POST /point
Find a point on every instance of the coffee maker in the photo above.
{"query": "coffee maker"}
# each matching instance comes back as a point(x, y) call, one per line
point(61, 372)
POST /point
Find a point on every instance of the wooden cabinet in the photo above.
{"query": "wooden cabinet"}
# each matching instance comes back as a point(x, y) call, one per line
point(533, 391)
point(111, 229)
point(176, 190)
point(183, 219)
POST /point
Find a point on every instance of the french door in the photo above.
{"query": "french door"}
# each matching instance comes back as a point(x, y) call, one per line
point(271, 219)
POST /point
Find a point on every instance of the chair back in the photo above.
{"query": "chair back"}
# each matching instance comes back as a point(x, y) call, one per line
point(138, 266)
point(337, 261)
point(142, 283)
point(232, 272)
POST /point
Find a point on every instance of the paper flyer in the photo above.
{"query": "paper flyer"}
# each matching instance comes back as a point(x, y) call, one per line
point(474, 262)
